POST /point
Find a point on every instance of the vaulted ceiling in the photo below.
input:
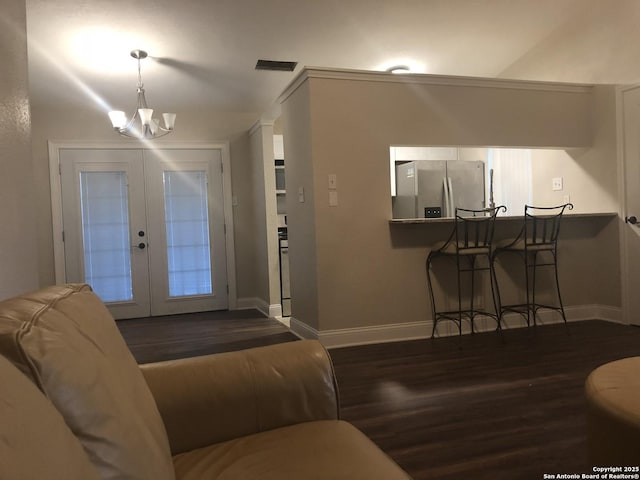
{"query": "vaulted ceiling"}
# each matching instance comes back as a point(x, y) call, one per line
point(203, 52)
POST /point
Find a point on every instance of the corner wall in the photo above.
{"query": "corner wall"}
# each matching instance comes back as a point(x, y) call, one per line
point(18, 249)
point(265, 238)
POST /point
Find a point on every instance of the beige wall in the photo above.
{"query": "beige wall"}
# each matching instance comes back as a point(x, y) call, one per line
point(590, 174)
point(92, 126)
point(265, 239)
point(244, 217)
point(299, 174)
point(18, 250)
point(366, 272)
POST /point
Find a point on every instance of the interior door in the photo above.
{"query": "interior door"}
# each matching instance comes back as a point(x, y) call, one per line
point(630, 110)
point(145, 228)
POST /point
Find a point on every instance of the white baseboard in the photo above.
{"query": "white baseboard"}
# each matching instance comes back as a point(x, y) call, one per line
point(273, 310)
point(417, 330)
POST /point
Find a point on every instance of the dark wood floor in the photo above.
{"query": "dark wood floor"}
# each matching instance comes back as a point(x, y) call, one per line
point(481, 407)
point(169, 337)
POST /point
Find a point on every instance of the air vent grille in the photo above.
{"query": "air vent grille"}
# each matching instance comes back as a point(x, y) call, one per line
point(276, 65)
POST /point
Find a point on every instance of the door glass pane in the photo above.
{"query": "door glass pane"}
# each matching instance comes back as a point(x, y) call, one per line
point(187, 225)
point(105, 234)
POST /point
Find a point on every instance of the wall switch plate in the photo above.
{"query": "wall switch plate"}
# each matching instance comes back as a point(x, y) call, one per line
point(333, 198)
point(333, 181)
point(556, 183)
point(301, 194)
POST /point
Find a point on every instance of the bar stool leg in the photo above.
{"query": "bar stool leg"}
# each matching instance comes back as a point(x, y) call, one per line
point(534, 305)
point(431, 296)
point(459, 296)
point(527, 287)
point(472, 259)
point(555, 269)
point(495, 293)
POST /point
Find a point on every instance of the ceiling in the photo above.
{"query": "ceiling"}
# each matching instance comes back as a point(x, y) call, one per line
point(203, 52)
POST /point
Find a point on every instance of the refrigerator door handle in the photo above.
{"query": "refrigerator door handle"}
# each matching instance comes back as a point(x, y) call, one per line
point(447, 207)
point(452, 206)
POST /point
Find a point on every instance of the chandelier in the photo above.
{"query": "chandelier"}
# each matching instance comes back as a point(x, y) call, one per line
point(142, 125)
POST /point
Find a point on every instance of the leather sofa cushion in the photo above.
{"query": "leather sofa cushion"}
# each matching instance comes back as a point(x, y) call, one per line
point(326, 449)
point(67, 342)
point(35, 443)
point(613, 413)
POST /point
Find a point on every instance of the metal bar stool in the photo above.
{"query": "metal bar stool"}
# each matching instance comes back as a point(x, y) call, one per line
point(470, 240)
point(537, 239)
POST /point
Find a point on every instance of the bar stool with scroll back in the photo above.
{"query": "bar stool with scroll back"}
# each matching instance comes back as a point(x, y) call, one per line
point(470, 240)
point(537, 244)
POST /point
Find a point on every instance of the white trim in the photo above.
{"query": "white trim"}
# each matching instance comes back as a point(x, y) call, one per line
point(274, 310)
point(419, 330)
point(303, 330)
point(56, 199)
point(428, 79)
point(260, 123)
point(227, 192)
point(286, 321)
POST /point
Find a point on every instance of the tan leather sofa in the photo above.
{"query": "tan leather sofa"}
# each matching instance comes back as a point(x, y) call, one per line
point(75, 405)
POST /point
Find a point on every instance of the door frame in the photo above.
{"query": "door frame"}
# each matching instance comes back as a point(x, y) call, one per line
point(622, 161)
point(55, 146)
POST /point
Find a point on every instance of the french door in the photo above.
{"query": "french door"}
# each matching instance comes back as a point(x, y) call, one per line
point(145, 228)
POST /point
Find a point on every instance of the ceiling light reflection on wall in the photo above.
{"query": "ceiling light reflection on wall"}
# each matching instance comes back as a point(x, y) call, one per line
point(142, 124)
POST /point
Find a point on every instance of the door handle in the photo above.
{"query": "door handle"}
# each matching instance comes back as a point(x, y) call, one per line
point(141, 246)
point(632, 220)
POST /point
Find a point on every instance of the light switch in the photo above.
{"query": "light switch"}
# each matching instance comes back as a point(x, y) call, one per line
point(301, 194)
point(333, 198)
point(556, 183)
point(333, 181)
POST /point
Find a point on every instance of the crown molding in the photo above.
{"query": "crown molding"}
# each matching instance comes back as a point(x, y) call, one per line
point(428, 79)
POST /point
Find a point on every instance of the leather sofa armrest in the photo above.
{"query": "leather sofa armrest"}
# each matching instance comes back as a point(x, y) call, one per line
point(213, 398)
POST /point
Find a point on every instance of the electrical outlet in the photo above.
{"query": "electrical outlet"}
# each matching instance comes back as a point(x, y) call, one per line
point(556, 183)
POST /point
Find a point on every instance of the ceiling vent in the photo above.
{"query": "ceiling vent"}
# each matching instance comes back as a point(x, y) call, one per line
point(276, 65)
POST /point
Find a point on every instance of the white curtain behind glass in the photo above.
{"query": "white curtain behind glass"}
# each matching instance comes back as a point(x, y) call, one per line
point(187, 226)
point(511, 178)
point(104, 203)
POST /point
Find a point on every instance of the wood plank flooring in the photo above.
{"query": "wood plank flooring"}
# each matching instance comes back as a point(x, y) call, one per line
point(169, 337)
point(481, 407)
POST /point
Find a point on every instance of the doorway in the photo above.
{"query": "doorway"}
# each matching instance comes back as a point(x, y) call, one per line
point(145, 228)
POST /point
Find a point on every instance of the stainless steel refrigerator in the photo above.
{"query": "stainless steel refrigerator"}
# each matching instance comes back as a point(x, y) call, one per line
point(434, 188)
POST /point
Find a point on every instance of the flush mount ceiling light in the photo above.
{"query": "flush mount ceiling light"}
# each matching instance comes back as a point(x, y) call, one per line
point(399, 69)
point(142, 125)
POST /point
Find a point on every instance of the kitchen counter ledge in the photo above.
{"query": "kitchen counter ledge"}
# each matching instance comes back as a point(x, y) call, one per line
point(416, 221)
